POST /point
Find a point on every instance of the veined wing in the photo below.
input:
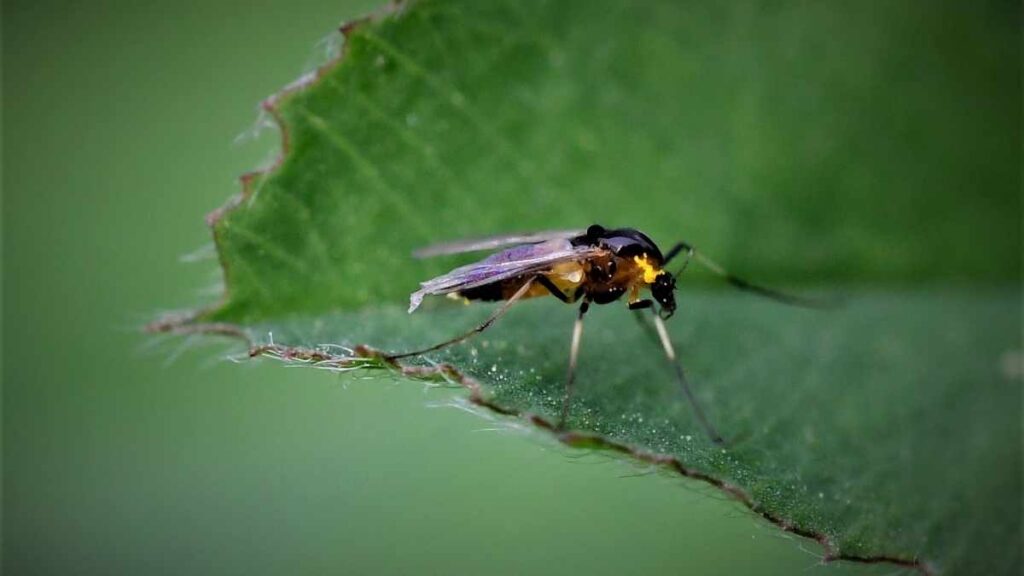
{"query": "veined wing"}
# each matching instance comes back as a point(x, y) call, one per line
point(494, 242)
point(503, 265)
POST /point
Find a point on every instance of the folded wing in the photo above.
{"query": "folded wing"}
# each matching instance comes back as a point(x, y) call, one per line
point(494, 242)
point(516, 261)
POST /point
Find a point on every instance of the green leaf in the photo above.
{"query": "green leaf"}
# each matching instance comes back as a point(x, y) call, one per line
point(828, 143)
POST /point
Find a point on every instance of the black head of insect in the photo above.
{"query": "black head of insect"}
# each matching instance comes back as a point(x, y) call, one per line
point(663, 289)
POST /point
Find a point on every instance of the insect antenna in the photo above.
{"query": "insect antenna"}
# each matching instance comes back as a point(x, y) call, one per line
point(737, 282)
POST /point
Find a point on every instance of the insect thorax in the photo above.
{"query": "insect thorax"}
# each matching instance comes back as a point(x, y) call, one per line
point(610, 277)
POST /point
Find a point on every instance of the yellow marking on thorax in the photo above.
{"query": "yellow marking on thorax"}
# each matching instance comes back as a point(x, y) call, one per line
point(650, 271)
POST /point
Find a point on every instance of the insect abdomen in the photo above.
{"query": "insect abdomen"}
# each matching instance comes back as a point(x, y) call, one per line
point(503, 291)
point(566, 277)
point(487, 292)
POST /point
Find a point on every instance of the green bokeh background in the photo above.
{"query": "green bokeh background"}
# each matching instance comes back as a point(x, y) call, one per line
point(126, 454)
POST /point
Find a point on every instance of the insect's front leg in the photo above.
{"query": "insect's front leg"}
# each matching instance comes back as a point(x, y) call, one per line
point(670, 354)
point(641, 319)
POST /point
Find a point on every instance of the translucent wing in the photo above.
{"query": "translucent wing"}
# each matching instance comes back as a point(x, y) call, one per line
point(503, 265)
point(494, 242)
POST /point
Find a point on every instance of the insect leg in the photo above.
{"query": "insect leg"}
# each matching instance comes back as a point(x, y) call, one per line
point(547, 283)
point(639, 307)
point(574, 350)
point(670, 353)
point(737, 282)
point(484, 326)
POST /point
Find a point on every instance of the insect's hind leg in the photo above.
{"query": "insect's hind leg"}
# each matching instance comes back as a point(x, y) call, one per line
point(483, 326)
point(574, 352)
point(547, 283)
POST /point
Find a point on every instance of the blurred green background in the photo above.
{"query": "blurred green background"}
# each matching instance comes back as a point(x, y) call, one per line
point(127, 454)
